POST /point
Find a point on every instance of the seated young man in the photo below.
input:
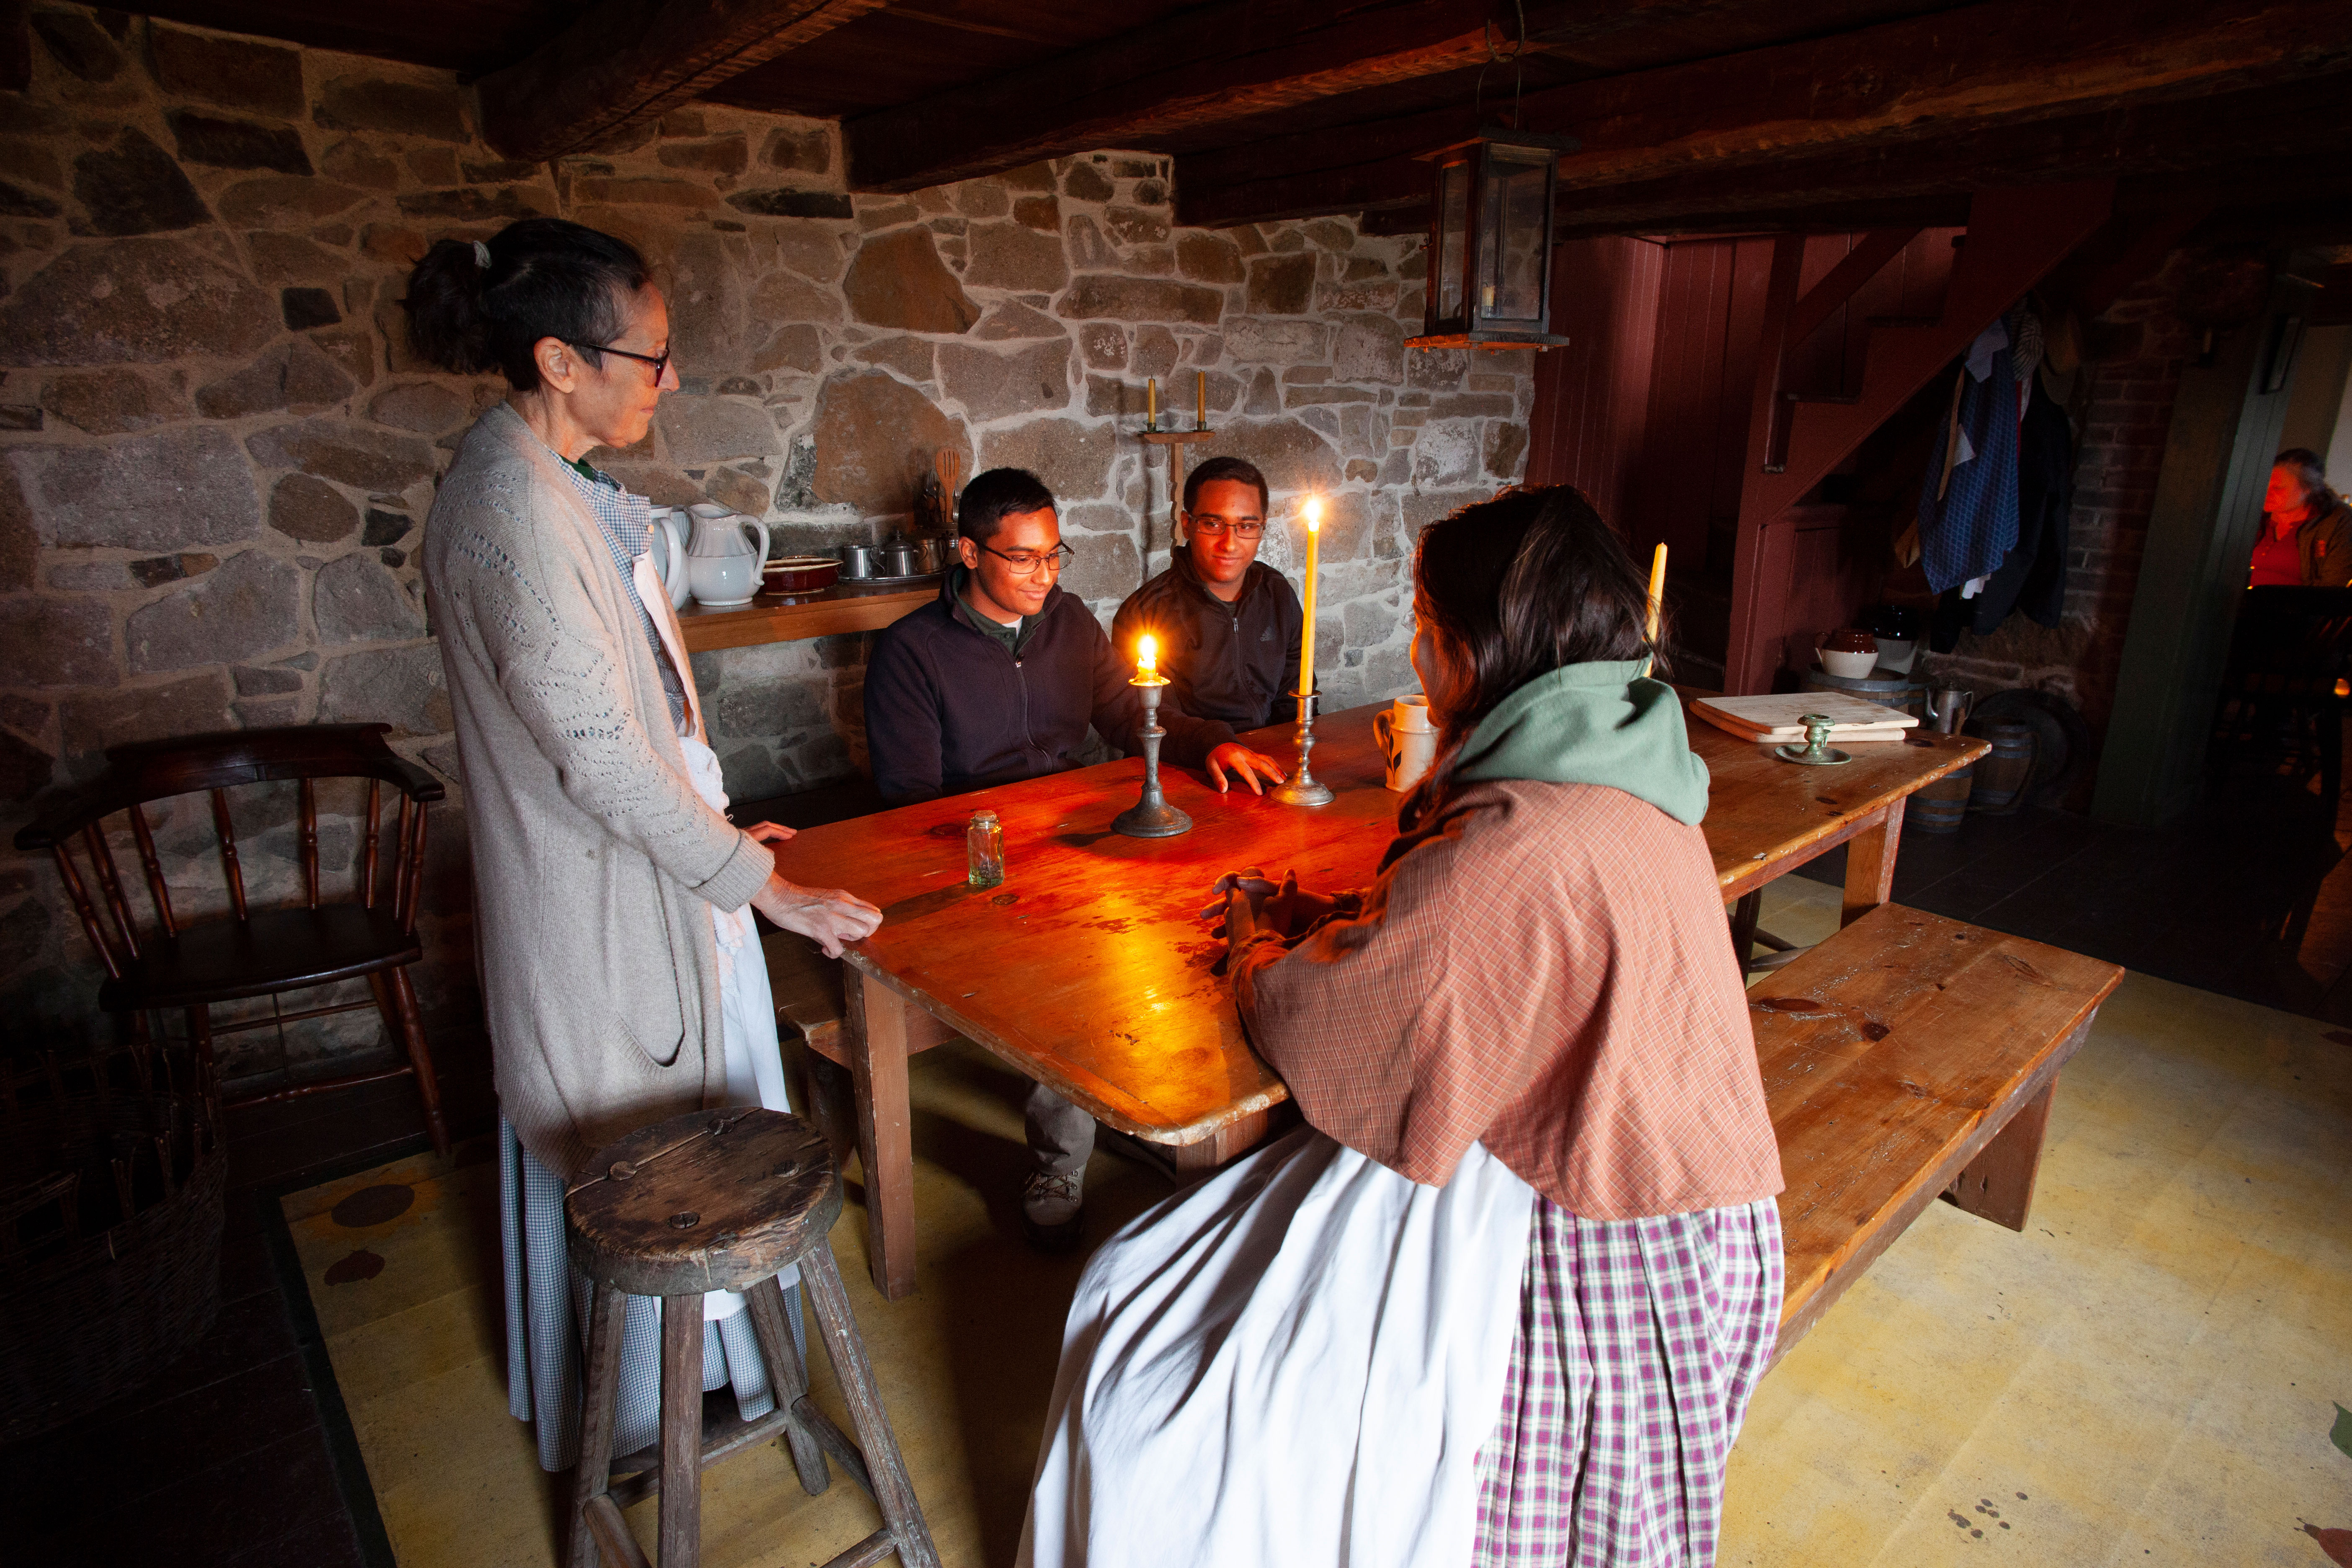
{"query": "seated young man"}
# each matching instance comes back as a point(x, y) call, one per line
point(996, 681)
point(1228, 624)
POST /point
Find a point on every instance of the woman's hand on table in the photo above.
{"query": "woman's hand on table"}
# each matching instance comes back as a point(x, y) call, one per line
point(828, 916)
point(1246, 766)
point(1283, 908)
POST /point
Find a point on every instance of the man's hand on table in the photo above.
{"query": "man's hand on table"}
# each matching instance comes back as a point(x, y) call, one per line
point(1246, 766)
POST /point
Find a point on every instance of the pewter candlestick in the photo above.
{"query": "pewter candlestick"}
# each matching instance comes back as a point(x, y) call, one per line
point(1152, 816)
point(1300, 788)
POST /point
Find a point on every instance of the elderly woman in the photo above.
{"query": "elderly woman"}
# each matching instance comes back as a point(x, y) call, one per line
point(1504, 1298)
point(2306, 538)
point(620, 970)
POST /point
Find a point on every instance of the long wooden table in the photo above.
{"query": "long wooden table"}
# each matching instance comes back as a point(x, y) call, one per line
point(1089, 969)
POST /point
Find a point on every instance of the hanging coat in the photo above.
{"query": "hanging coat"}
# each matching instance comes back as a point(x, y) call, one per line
point(1967, 502)
point(2032, 578)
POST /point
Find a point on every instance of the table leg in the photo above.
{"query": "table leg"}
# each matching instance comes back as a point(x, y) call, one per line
point(1870, 865)
point(877, 1036)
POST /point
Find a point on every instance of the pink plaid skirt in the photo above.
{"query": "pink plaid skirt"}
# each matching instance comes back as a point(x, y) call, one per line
point(1639, 1343)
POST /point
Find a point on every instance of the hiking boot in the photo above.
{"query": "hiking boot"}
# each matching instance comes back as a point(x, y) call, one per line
point(1052, 1209)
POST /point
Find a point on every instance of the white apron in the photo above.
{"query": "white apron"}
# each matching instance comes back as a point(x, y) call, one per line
point(747, 1008)
point(1296, 1362)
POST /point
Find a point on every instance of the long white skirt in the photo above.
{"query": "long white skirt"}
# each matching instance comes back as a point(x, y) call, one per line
point(1366, 1321)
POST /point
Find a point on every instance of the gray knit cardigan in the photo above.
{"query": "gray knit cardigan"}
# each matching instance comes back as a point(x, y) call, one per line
point(595, 864)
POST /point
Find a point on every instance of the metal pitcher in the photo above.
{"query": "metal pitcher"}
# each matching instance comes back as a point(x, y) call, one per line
point(856, 561)
point(1947, 708)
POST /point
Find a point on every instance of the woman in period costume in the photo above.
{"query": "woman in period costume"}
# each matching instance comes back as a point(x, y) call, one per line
point(621, 973)
point(2306, 538)
point(1505, 1296)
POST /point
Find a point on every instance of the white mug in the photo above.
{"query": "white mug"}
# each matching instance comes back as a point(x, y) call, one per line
point(1407, 740)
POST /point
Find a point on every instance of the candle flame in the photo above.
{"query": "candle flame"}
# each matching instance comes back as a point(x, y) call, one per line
point(1147, 654)
point(1313, 510)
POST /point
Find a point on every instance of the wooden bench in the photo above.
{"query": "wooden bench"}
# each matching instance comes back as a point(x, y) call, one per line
point(1907, 1058)
point(811, 1006)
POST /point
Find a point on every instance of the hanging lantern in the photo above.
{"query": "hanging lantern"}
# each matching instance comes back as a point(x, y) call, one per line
point(1490, 239)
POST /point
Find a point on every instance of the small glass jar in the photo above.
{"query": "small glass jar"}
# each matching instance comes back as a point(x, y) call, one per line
point(984, 848)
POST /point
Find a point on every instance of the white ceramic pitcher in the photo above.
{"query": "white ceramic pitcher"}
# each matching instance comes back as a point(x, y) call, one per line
point(1407, 740)
point(669, 552)
point(722, 564)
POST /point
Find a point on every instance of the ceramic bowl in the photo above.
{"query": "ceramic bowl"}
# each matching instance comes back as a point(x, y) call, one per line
point(1850, 666)
point(801, 574)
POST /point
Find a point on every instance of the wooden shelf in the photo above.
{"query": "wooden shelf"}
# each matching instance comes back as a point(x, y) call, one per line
point(838, 609)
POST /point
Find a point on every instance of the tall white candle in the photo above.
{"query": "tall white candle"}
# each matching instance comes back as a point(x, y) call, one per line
point(1313, 513)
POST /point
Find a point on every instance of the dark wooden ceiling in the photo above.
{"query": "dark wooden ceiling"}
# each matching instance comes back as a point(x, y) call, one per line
point(1693, 114)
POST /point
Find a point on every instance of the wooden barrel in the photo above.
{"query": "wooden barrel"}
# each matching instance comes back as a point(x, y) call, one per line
point(2002, 775)
point(1939, 807)
point(1883, 687)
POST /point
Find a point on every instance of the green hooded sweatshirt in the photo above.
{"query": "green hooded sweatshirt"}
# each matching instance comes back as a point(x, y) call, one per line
point(1603, 723)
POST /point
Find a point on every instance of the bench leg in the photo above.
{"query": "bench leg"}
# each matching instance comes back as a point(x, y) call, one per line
point(1743, 912)
point(877, 1038)
point(1998, 1185)
point(1870, 866)
point(833, 1105)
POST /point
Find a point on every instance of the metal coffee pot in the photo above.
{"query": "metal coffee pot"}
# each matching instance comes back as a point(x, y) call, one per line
point(1948, 709)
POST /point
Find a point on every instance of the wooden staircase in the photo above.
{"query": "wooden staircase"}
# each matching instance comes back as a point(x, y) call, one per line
point(1795, 440)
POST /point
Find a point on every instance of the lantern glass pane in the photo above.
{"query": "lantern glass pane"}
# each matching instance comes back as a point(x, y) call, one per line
point(1452, 239)
point(1511, 259)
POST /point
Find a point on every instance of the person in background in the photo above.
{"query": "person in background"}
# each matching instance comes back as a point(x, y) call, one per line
point(2306, 538)
point(1227, 624)
point(997, 681)
point(1503, 1297)
point(621, 975)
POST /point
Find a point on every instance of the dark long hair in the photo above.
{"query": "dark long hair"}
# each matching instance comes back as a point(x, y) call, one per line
point(1519, 586)
point(545, 279)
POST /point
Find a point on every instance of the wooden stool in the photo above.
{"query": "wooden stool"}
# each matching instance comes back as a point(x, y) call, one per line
point(721, 1200)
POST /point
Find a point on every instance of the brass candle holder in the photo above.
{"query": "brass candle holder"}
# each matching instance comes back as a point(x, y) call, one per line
point(1300, 788)
point(1816, 752)
point(1151, 817)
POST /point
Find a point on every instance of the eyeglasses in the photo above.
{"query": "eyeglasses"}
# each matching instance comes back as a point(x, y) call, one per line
point(1217, 527)
point(660, 362)
point(1027, 563)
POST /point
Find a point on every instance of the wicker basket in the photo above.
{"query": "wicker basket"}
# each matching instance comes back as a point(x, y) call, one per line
point(111, 1175)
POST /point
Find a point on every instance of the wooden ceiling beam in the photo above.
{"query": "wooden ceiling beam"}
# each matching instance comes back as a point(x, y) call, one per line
point(627, 63)
point(1213, 66)
point(1941, 78)
point(15, 46)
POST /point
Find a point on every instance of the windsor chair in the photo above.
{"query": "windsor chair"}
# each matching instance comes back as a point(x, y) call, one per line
point(193, 963)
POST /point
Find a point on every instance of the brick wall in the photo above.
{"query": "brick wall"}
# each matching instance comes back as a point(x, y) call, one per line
point(216, 451)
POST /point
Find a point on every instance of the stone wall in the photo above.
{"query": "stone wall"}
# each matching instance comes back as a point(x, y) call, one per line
point(216, 450)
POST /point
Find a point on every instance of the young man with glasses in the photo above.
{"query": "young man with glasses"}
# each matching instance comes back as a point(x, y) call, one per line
point(1227, 624)
point(997, 681)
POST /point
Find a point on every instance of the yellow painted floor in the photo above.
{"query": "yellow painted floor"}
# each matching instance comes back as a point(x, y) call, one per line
point(2148, 1375)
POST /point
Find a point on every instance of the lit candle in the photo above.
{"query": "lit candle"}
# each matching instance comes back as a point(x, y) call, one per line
point(1152, 403)
point(1200, 400)
point(1657, 600)
point(1313, 513)
point(1146, 656)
